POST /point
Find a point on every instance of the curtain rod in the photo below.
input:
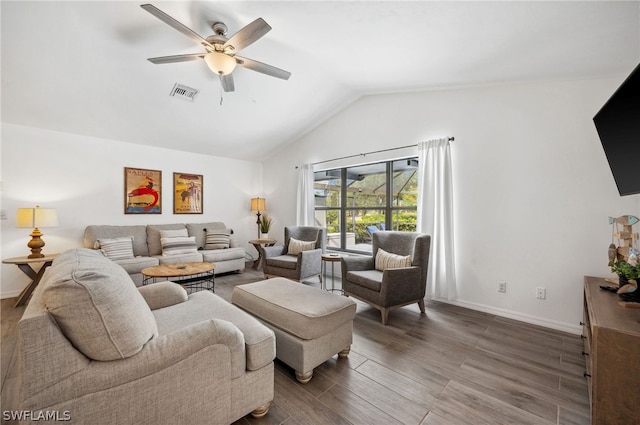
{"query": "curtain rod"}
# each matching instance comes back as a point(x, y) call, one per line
point(451, 139)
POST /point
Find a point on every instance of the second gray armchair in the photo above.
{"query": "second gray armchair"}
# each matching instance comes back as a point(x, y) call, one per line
point(392, 287)
point(296, 259)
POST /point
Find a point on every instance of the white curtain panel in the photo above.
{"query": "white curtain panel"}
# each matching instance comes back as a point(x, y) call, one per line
point(435, 215)
point(306, 202)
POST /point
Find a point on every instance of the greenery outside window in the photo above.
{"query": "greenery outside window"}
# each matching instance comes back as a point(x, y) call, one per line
point(355, 202)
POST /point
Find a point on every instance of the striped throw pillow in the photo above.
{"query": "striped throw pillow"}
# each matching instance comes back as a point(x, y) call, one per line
point(296, 246)
point(218, 239)
point(179, 245)
point(117, 248)
point(174, 233)
point(386, 260)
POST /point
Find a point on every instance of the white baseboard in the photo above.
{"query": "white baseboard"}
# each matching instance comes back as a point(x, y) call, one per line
point(534, 320)
point(10, 294)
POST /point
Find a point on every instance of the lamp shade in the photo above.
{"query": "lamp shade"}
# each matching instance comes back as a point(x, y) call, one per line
point(258, 204)
point(220, 63)
point(37, 217)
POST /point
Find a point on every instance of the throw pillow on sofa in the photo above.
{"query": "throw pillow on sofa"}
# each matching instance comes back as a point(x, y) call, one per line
point(153, 236)
point(179, 245)
point(218, 239)
point(174, 233)
point(97, 306)
point(116, 248)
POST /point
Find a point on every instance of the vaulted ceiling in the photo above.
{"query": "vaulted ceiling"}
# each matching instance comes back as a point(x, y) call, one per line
point(80, 66)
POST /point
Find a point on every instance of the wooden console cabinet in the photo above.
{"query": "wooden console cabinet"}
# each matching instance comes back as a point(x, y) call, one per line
point(611, 336)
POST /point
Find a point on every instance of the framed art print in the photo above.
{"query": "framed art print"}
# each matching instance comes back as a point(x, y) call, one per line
point(142, 191)
point(187, 193)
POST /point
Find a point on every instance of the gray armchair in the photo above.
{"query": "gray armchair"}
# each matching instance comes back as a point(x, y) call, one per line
point(278, 262)
point(392, 288)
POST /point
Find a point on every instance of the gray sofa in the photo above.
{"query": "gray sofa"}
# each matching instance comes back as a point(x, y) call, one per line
point(147, 249)
point(93, 348)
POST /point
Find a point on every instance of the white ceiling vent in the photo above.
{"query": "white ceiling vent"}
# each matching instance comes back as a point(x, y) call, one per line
point(183, 92)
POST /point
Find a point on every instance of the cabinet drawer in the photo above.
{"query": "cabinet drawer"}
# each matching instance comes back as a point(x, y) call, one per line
point(587, 338)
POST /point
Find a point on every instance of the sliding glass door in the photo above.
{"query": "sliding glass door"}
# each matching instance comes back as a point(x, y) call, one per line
point(355, 202)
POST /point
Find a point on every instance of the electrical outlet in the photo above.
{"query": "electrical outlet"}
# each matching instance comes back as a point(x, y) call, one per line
point(541, 293)
point(502, 286)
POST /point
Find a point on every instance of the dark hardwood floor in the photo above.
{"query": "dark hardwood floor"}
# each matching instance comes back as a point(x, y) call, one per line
point(450, 366)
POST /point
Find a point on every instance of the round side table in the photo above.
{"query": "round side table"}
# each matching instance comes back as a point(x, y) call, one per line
point(257, 243)
point(332, 258)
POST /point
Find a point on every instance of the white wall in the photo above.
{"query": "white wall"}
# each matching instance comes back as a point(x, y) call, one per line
point(83, 178)
point(533, 189)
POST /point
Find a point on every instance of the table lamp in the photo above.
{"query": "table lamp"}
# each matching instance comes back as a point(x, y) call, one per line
point(257, 205)
point(35, 218)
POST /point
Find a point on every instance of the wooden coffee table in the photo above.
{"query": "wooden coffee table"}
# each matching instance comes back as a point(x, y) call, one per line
point(192, 276)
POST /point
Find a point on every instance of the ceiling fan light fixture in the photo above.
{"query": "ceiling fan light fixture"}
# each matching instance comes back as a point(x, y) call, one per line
point(220, 63)
point(221, 51)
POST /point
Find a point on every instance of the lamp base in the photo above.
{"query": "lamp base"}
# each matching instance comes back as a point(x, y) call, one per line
point(36, 243)
point(258, 223)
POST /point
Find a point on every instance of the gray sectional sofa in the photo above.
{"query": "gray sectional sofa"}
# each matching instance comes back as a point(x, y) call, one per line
point(94, 349)
point(147, 249)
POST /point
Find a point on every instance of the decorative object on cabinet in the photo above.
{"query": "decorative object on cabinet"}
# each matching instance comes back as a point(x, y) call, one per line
point(623, 259)
point(626, 237)
point(142, 191)
point(187, 193)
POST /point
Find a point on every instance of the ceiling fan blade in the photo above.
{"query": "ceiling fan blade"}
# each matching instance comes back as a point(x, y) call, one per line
point(248, 35)
point(176, 58)
point(175, 24)
point(227, 82)
point(262, 67)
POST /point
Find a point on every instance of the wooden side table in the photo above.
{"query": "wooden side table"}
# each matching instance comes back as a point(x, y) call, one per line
point(257, 244)
point(24, 264)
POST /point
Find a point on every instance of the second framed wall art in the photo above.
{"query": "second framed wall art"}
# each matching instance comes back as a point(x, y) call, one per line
point(187, 193)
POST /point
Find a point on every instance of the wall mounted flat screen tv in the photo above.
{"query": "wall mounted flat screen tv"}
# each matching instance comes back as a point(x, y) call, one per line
point(618, 125)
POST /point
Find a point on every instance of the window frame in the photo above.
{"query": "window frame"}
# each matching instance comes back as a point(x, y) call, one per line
point(388, 209)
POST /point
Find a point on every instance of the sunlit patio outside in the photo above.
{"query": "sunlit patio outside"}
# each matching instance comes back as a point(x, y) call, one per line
point(365, 206)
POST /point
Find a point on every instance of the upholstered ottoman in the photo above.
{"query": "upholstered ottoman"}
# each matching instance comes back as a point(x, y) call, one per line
point(311, 325)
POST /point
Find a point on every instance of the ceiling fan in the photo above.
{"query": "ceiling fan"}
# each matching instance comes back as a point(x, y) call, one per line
point(221, 51)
